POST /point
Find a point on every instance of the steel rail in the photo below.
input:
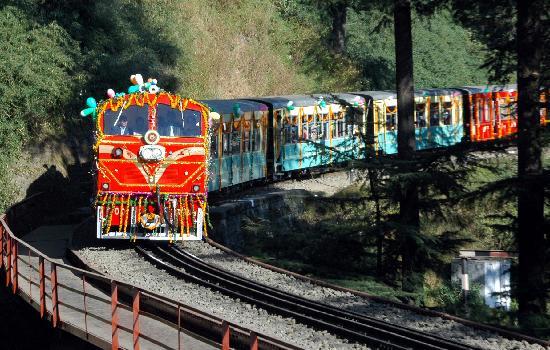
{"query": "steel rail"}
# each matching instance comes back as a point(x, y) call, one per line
point(350, 315)
point(352, 326)
point(501, 330)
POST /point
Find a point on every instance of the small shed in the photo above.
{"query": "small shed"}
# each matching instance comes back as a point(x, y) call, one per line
point(489, 269)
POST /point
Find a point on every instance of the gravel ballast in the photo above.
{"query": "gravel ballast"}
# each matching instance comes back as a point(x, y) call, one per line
point(126, 265)
point(436, 325)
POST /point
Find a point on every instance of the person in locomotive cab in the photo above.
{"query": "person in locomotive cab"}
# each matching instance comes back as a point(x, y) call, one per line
point(150, 221)
point(121, 128)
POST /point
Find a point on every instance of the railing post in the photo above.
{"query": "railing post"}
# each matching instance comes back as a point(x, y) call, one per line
point(253, 341)
point(42, 287)
point(135, 307)
point(114, 315)
point(8, 261)
point(1, 246)
point(179, 327)
point(85, 305)
point(55, 303)
point(14, 279)
point(225, 339)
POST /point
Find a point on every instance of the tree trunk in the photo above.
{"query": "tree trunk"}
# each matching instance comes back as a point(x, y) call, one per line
point(374, 178)
point(531, 242)
point(338, 12)
point(408, 205)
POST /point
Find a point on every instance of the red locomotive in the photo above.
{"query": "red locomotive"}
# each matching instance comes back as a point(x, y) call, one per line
point(151, 160)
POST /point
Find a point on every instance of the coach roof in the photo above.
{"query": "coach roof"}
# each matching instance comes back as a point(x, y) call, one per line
point(227, 106)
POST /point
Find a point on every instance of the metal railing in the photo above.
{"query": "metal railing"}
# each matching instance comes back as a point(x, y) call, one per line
point(80, 302)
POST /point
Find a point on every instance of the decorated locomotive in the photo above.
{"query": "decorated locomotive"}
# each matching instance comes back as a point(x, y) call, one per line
point(151, 154)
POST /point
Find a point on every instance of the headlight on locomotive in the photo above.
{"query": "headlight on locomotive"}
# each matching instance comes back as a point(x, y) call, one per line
point(152, 153)
point(117, 152)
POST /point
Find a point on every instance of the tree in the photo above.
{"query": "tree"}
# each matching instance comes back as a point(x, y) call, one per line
point(338, 12)
point(525, 52)
point(406, 144)
point(530, 235)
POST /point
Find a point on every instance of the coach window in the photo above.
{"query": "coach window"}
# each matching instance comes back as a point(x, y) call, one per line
point(447, 113)
point(434, 114)
point(257, 133)
point(130, 121)
point(341, 124)
point(480, 111)
point(420, 120)
point(247, 125)
point(236, 137)
point(295, 129)
point(313, 131)
point(214, 141)
point(503, 109)
point(226, 135)
point(323, 126)
point(306, 124)
point(484, 111)
point(333, 125)
point(391, 117)
point(349, 122)
point(514, 109)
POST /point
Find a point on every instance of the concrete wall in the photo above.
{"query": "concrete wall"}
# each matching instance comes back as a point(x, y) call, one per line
point(227, 217)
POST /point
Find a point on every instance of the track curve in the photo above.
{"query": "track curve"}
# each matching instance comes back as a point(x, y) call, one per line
point(349, 325)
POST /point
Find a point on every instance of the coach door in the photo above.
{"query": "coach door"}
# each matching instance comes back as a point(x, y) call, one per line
point(506, 113)
point(485, 120)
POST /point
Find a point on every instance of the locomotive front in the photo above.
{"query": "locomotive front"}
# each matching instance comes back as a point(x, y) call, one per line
point(151, 165)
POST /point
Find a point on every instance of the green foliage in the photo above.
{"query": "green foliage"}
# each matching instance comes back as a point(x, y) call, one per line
point(449, 298)
point(444, 53)
point(38, 67)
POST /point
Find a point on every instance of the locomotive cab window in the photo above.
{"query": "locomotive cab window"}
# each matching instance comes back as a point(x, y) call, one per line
point(130, 121)
point(173, 122)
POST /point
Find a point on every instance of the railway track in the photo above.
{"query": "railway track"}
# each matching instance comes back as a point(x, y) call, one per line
point(349, 325)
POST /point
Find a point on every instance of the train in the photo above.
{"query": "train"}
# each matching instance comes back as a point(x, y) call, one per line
point(158, 155)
